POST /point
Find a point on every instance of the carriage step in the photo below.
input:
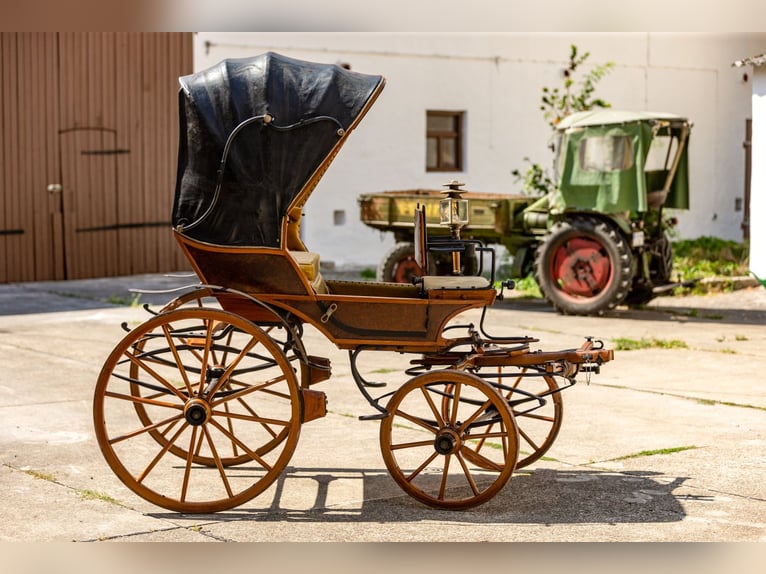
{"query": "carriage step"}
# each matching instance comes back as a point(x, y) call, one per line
point(319, 369)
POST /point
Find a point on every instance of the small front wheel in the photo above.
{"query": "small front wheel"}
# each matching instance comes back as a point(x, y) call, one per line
point(431, 451)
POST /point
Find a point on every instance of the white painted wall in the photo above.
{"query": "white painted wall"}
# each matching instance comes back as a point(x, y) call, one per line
point(758, 179)
point(496, 79)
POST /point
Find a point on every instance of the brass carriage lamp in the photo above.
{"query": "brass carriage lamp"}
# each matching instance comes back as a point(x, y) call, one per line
point(453, 213)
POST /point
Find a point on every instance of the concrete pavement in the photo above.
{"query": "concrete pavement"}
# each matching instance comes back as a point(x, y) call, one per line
point(666, 444)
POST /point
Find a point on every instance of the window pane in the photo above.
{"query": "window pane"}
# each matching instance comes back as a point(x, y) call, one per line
point(441, 123)
point(661, 153)
point(606, 153)
point(448, 155)
point(431, 151)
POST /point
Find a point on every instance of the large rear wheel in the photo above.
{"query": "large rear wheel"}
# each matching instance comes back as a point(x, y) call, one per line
point(218, 405)
point(584, 266)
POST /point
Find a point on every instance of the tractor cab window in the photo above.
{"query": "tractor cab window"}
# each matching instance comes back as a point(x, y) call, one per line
point(605, 153)
point(661, 153)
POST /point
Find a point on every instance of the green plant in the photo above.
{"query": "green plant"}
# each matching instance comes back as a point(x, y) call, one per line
point(133, 301)
point(709, 257)
point(525, 287)
point(654, 452)
point(626, 344)
point(368, 273)
point(556, 104)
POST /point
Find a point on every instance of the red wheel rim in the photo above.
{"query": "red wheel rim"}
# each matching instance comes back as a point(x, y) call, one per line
point(581, 267)
point(406, 270)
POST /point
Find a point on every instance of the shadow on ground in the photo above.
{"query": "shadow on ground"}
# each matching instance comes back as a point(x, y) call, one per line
point(542, 496)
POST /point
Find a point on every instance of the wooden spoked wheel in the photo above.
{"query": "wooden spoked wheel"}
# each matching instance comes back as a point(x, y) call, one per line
point(424, 447)
point(215, 391)
point(538, 420)
point(197, 299)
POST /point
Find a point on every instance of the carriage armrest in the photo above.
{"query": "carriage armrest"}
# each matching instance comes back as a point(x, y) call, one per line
point(309, 265)
point(454, 282)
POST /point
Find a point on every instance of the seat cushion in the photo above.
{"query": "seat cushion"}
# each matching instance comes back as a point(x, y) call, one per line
point(454, 282)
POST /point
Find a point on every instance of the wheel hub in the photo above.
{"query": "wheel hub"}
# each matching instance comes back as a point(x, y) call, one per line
point(197, 412)
point(582, 268)
point(447, 442)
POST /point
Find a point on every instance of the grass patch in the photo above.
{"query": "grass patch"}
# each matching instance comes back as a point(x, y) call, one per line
point(685, 397)
point(644, 453)
point(707, 257)
point(368, 273)
point(40, 475)
point(626, 344)
point(132, 301)
point(525, 288)
point(86, 494)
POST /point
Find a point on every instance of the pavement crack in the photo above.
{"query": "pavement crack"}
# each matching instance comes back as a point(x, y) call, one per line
point(677, 396)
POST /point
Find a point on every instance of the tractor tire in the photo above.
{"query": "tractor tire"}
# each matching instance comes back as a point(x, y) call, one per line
point(399, 266)
point(584, 266)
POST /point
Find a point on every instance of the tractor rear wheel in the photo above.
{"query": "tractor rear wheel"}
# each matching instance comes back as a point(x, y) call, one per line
point(584, 266)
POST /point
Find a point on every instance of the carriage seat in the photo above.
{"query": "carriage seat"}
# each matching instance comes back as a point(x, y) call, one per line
point(309, 265)
point(454, 282)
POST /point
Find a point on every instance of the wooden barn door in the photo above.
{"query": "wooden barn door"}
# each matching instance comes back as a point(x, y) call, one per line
point(89, 197)
point(118, 137)
point(31, 239)
point(88, 136)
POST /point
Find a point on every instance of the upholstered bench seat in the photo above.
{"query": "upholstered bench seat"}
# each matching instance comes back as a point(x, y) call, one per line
point(454, 282)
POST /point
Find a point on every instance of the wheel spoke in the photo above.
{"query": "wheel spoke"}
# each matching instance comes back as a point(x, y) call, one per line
point(455, 405)
point(419, 469)
point(248, 390)
point(468, 475)
point(136, 432)
point(189, 460)
point(218, 463)
point(142, 400)
point(445, 475)
point(417, 421)
point(233, 365)
point(156, 376)
point(432, 406)
point(176, 356)
point(163, 451)
point(412, 444)
point(243, 446)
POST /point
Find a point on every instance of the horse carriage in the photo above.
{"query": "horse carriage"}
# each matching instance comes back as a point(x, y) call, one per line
point(199, 408)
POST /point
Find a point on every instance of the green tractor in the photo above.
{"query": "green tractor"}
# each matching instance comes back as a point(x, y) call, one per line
point(597, 240)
